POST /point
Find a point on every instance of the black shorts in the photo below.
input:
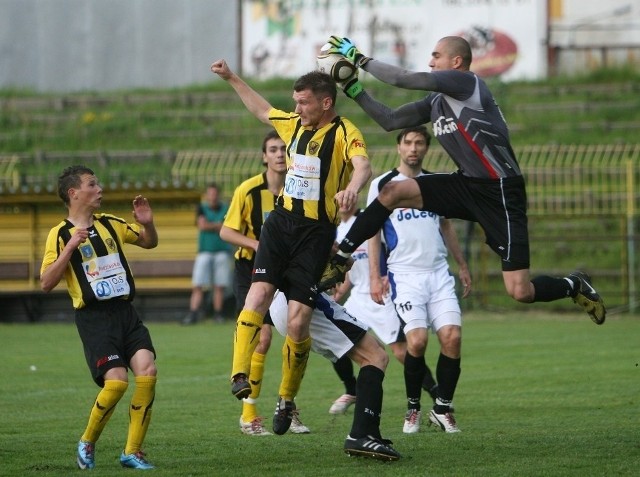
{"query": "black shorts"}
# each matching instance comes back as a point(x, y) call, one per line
point(241, 285)
point(293, 253)
point(111, 333)
point(498, 205)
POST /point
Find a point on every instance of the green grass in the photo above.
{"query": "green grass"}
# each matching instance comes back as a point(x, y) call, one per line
point(540, 395)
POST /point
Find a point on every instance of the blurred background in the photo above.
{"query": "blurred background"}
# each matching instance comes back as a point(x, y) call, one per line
point(124, 87)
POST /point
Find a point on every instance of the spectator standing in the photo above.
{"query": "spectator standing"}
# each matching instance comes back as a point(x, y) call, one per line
point(212, 266)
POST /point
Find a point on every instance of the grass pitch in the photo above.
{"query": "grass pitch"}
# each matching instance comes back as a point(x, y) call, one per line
point(539, 395)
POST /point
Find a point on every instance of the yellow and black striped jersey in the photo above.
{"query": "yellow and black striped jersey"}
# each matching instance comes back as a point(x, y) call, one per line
point(319, 164)
point(98, 269)
point(251, 203)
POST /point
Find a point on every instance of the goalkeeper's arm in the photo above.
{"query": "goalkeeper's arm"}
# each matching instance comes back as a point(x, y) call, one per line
point(400, 77)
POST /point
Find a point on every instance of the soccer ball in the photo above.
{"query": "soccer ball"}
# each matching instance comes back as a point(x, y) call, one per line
point(334, 64)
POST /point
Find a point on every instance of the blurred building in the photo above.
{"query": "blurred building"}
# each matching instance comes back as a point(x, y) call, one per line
point(97, 45)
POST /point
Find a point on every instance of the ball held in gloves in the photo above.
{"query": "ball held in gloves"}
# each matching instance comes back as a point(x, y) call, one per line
point(334, 64)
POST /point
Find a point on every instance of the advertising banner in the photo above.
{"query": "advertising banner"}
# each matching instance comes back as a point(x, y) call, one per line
point(280, 38)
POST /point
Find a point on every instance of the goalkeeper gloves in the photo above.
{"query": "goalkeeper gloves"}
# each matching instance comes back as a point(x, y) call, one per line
point(348, 49)
point(352, 86)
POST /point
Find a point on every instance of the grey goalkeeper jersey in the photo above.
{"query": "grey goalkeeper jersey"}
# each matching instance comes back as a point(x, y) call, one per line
point(464, 115)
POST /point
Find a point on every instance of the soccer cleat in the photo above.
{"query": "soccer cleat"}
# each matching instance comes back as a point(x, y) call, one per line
point(587, 298)
point(254, 428)
point(135, 461)
point(334, 273)
point(412, 421)
point(240, 386)
point(371, 447)
point(341, 404)
point(86, 455)
point(283, 416)
point(190, 319)
point(296, 424)
point(445, 421)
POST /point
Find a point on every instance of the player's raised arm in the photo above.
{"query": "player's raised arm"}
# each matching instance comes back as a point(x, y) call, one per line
point(256, 104)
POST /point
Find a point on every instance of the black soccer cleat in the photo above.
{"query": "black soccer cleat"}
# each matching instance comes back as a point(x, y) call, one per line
point(371, 448)
point(587, 298)
point(240, 386)
point(283, 416)
point(334, 273)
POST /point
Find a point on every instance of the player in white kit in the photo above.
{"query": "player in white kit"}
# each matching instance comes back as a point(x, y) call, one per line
point(422, 288)
point(336, 334)
point(381, 318)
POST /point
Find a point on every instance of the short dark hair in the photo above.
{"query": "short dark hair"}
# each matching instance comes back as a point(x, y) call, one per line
point(458, 46)
point(71, 177)
point(213, 185)
point(273, 134)
point(320, 84)
point(416, 129)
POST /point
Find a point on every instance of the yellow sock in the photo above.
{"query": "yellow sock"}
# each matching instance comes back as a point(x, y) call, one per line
point(249, 408)
point(246, 338)
point(294, 363)
point(103, 407)
point(140, 412)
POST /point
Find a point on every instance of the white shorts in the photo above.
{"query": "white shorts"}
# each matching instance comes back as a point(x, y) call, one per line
point(211, 268)
point(333, 331)
point(382, 319)
point(425, 299)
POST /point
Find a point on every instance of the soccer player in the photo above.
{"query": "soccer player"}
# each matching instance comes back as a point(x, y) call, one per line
point(422, 288)
point(488, 187)
point(86, 251)
point(368, 298)
point(327, 166)
point(253, 200)
point(336, 334)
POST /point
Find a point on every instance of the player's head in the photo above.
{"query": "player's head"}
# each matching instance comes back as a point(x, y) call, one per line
point(321, 85)
point(451, 53)
point(413, 144)
point(274, 152)
point(315, 96)
point(421, 130)
point(71, 178)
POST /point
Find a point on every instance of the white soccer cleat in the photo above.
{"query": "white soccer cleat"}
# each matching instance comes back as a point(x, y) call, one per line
point(254, 428)
point(412, 421)
point(296, 424)
point(445, 421)
point(341, 404)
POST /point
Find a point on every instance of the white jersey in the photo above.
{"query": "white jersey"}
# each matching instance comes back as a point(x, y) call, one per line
point(412, 237)
point(382, 319)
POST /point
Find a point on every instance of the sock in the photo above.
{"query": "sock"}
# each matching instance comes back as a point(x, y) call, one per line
point(140, 412)
point(551, 289)
point(294, 363)
point(246, 338)
point(367, 223)
point(414, 369)
point(368, 407)
point(249, 409)
point(103, 407)
point(448, 371)
point(344, 369)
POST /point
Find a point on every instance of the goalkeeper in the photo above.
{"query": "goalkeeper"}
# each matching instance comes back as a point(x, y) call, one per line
point(488, 186)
